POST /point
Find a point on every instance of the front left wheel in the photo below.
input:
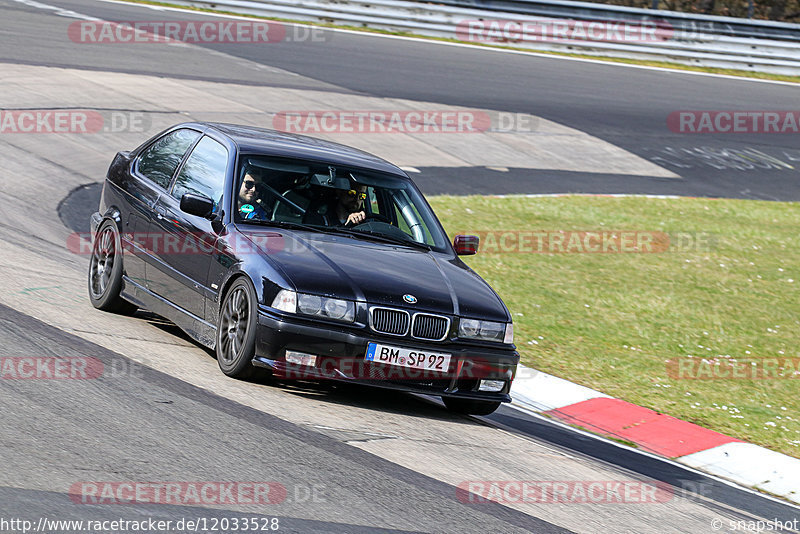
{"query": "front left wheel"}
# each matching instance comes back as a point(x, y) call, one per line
point(105, 271)
point(236, 330)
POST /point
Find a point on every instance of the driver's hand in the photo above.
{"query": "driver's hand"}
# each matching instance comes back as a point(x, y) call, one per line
point(355, 218)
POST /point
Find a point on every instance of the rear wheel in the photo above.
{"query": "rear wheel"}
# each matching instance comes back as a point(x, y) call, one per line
point(470, 406)
point(105, 271)
point(236, 330)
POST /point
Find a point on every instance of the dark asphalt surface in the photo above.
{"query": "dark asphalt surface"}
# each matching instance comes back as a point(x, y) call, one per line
point(481, 181)
point(189, 433)
point(183, 433)
point(624, 106)
point(685, 483)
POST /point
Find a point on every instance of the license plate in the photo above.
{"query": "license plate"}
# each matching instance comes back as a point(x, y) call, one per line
point(410, 358)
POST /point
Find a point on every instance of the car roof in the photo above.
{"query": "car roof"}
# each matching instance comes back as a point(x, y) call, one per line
point(251, 139)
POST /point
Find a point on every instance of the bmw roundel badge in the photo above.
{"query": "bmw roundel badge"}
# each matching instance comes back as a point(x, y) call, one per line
point(411, 299)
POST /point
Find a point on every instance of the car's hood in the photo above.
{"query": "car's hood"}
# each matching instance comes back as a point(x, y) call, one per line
point(380, 273)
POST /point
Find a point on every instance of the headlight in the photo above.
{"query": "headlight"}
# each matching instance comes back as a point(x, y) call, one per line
point(286, 301)
point(338, 309)
point(486, 330)
point(310, 304)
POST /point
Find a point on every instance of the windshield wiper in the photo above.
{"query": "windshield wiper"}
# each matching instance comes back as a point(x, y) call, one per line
point(287, 225)
point(378, 236)
point(338, 230)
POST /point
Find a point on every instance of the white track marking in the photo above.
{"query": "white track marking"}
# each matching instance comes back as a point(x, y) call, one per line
point(58, 11)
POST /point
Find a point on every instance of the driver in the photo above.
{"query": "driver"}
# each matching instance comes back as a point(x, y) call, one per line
point(345, 209)
point(350, 205)
point(248, 203)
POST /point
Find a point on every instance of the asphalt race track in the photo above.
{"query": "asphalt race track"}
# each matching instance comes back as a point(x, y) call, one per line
point(623, 106)
point(348, 459)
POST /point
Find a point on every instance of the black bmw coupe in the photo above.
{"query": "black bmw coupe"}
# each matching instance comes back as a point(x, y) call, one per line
point(313, 260)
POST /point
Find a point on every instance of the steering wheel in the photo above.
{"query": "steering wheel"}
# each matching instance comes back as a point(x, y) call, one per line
point(374, 217)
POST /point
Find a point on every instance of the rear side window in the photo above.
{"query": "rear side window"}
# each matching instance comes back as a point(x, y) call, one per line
point(204, 171)
point(159, 161)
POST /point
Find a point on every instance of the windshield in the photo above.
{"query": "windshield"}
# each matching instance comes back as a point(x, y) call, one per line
point(335, 199)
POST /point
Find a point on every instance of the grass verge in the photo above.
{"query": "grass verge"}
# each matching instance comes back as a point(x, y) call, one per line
point(648, 63)
point(610, 321)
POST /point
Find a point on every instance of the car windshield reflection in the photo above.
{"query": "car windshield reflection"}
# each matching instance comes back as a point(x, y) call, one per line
point(318, 197)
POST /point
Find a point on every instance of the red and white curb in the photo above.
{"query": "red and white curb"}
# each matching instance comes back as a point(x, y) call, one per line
point(689, 444)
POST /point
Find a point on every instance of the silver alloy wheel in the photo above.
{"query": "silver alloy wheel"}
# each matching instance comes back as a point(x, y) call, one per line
point(102, 263)
point(234, 324)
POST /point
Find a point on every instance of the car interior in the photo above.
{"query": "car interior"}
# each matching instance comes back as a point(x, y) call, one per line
point(289, 192)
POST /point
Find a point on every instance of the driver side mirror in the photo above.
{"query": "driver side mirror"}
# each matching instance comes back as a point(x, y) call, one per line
point(199, 205)
point(466, 245)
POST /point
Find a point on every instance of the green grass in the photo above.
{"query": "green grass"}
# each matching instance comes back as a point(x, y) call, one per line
point(661, 64)
point(610, 321)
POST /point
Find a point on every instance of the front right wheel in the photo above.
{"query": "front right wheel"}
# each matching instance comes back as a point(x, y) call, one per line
point(470, 406)
point(236, 330)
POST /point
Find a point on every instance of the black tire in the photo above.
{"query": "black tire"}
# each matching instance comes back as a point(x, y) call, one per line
point(236, 330)
point(469, 406)
point(105, 271)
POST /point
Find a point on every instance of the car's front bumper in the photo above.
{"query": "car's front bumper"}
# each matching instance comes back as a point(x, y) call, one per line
point(340, 355)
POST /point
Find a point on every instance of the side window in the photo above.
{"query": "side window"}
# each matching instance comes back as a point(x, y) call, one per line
point(410, 220)
point(159, 161)
point(372, 198)
point(401, 221)
point(204, 171)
